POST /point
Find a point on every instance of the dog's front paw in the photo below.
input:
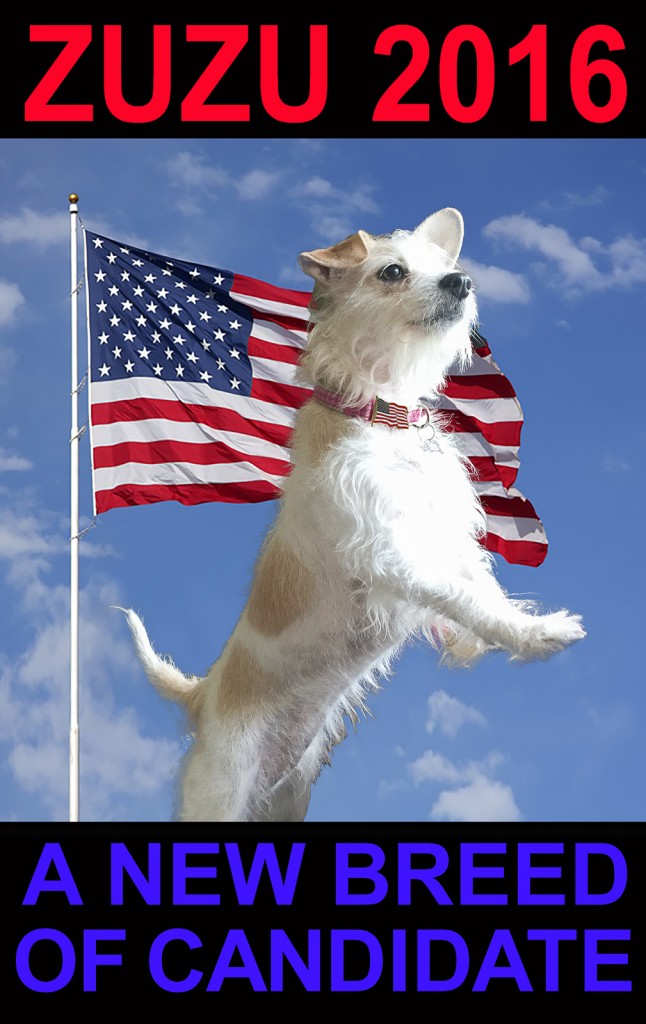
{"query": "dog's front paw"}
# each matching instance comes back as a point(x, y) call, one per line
point(545, 635)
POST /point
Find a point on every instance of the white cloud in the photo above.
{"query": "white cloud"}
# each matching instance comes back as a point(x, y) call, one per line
point(615, 464)
point(474, 795)
point(577, 267)
point(433, 767)
point(596, 197)
point(450, 714)
point(257, 184)
point(9, 462)
point(333, 228)
point(39, 229)
point(123, 769)
point(497, 284)
point(190, 170)
point(202, 180)
point(387, 788)
point(481, 800)
point(11, 299)
point(359, 198)
point(333, 211)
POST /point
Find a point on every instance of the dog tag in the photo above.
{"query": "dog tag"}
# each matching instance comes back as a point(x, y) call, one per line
point(431, 445)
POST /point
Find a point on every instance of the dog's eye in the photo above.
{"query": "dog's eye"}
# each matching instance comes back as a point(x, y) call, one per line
point(393, 272)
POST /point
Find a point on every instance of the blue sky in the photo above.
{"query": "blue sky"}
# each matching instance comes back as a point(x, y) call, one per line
point(555, 237)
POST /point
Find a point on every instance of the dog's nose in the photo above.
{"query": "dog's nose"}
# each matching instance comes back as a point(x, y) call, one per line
point(459, 284)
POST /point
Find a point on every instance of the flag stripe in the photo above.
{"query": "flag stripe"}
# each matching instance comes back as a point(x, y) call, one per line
point(155, 452)
point(502, 434)
point(489, 386)
point(190, 433)
point(239, 492)
point(172, 473)
point(485, 410)
point(193, 392)
point(282, 394)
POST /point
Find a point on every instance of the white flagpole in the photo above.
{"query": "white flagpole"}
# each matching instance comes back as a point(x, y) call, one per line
point(74, 528)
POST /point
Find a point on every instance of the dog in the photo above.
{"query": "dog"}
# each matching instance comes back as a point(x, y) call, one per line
point(377, 540)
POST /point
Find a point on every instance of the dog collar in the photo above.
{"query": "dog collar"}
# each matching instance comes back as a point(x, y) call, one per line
point(377, 410)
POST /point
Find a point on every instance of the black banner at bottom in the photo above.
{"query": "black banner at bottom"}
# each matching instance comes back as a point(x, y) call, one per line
point(408, 909)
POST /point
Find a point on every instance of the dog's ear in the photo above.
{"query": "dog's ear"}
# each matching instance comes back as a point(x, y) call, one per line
point(352, 251)
point(446, 229)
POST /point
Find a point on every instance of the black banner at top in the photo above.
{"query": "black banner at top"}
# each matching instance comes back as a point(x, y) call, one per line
point(434, 72)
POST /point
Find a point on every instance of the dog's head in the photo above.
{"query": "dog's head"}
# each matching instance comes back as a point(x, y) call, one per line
point(390, 311)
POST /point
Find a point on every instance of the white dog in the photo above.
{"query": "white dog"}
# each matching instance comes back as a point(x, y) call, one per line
point(376, 540)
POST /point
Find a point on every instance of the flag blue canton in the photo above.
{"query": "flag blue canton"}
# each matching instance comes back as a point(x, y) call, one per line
point(153, 317)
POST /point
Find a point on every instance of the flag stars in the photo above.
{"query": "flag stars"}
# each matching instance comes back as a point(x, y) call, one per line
point(104, 370)
point(180, 284)
point(125, 276)
point(127, 304)
point(223, 309)
point(116, 352)
point(192, 298)
point(233, 352)
point(194, 273)
point(167, 273)
point(179, 370)
point(206, 345)
point(178, 339)
point(206, 377)
point(218, 279)
point(192, 358)
point(97, 243)
point(221, 364)
point(169, 353)
point(156, 336)
point(138, 291)
point(157, 370)
point(100, 275)
point(162, 293)
point(235, 383)
point(164, 324)
point(124, 250)
point(103, 338)
point(190, 326)
point(234, 325)
point(137, 263)
point(176, 310)
point(152, 307)
point(112, 257)
point(129, 336)
point(219, 335)
point(149, 278)
point(205, 316)
point(144, 353)
point(101, 306)
point(115, 320)
point(129, 366)
point(141, 320)
point(113, 290)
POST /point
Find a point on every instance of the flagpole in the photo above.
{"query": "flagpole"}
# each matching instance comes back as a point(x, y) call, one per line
point(74, 529)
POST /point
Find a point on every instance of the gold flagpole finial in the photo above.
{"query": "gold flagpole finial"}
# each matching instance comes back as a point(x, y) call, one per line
point(73, 198)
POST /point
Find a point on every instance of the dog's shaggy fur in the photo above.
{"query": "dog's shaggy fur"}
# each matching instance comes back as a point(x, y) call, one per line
point(377, 539)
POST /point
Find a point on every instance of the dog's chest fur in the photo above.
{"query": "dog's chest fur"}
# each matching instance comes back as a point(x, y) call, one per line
point(361, 505)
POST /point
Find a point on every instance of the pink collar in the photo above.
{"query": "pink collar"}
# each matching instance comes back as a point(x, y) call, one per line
point(377, 410)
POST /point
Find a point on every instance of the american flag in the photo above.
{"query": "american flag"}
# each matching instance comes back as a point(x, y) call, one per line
point(390, 413)
point(193, 395)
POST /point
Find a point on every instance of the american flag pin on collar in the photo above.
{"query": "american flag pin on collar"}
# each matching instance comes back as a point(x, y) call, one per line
point(390, 413)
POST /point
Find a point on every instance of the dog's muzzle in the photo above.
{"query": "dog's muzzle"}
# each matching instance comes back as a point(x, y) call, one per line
point(458, 284)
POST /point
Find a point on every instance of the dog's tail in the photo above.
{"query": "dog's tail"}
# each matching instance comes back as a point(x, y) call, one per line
point(163, 674)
